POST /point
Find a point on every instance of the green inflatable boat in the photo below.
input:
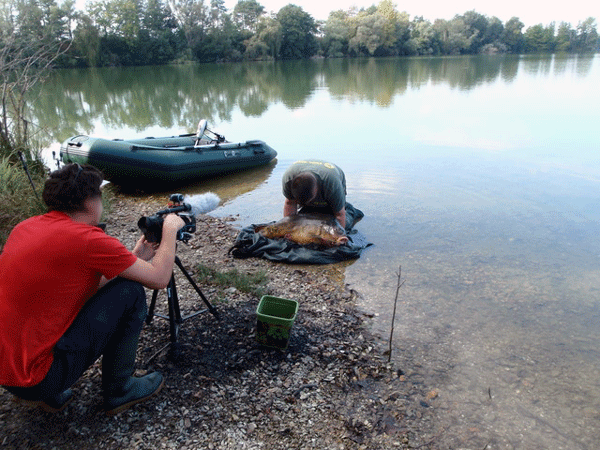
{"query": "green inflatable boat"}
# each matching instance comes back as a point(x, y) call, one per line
point(167, 160)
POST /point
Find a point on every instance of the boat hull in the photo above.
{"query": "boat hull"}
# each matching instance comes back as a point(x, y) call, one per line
point(164, 160)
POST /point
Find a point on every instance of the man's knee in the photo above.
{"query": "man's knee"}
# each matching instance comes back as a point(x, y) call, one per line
point(129, 295)
point(132, 294)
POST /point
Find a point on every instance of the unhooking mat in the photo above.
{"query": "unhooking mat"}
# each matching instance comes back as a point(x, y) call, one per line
point(250, 244)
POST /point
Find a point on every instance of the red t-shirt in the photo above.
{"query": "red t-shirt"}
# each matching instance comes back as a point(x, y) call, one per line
point(50, 266)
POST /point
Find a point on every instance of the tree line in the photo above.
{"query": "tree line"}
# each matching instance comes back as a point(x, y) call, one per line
point(143, 32)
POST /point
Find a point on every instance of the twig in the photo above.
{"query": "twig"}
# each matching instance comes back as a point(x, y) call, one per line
point(305, 386)
point(399, 285)
point(24, 163)
point(163, 348)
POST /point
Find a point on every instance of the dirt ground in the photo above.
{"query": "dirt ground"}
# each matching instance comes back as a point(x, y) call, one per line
point(331, 389)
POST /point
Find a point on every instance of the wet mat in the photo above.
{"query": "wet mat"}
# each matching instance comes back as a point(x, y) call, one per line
point(249, 244)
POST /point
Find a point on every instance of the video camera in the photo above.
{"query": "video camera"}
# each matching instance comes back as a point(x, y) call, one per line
point(152, 226)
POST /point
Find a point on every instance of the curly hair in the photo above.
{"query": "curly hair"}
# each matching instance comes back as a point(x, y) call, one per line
point(68, 187)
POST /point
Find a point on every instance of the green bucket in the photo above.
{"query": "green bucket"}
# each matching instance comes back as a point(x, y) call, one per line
point(274, 319)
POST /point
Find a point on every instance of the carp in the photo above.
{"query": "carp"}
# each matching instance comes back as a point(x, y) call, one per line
point(311, 228)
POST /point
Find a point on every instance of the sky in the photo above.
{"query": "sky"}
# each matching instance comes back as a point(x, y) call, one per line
point(530, 12)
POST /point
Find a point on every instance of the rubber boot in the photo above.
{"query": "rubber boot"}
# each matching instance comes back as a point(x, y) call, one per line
point(131, 391)
point(121, 389)
point(51, 405)
point(58, 403)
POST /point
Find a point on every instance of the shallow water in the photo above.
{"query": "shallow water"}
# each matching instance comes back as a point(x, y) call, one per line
point(479, 177)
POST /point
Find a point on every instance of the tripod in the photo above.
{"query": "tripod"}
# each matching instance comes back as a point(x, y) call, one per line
point(175, 318)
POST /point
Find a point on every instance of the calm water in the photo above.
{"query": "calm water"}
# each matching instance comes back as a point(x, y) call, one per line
point(480, 177)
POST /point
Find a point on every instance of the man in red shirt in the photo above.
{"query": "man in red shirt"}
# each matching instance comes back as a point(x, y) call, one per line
point(69, 293)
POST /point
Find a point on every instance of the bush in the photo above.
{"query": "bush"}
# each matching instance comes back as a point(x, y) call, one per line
point(18, 200)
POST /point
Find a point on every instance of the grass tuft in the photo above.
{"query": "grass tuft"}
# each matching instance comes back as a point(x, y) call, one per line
point(252, 283)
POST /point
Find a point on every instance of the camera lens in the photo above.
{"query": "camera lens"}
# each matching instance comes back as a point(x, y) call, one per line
point(151, 227)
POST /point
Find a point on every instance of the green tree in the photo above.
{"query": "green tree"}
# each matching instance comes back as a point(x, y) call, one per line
point(334, 43)
point(222, 44)
point(246, 14)
point(369, 35)
point(192, 17)
point(266, 42)
point(512, 36)
point(539, 38)
point(120, 18)
point(387, 11)
point(534, 38)
point(86, 41)
point(492, 40)
point(297, 33)
point(475, 33)
point(565, 37)
point(157, 18)
point(70, 15)
point(403, 30)
point(454, 35)
point(218, 11)
point(494, 31)
point(587, 36)
point(29, 20)
point(422, 39)
point(96, 12)
point(125, 16)
point(158, 40)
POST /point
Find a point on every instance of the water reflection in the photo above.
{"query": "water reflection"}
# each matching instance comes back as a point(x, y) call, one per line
point(176, 97)
point(232, 186)
point(228, 187)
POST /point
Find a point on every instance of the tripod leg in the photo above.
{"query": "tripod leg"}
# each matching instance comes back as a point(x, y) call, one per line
point(174, 312)
point(210, 307)
point(150, 314)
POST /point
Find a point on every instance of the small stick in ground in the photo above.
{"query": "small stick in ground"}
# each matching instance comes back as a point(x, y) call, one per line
point(399, 285)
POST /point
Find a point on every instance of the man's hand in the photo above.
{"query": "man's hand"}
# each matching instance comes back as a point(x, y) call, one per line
point(145, 250)
point(341, 217)
point(173, 222)
point(289, 207)
point(155, 274)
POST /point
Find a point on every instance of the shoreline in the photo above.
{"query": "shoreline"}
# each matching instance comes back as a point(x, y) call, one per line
point(331, 388)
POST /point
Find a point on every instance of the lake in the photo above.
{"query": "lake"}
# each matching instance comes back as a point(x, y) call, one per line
point(478, 176)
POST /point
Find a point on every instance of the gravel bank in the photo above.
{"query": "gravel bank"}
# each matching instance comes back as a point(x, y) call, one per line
point(331, 389)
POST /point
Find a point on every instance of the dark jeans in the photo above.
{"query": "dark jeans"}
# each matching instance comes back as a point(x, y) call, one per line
point(113, 315)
